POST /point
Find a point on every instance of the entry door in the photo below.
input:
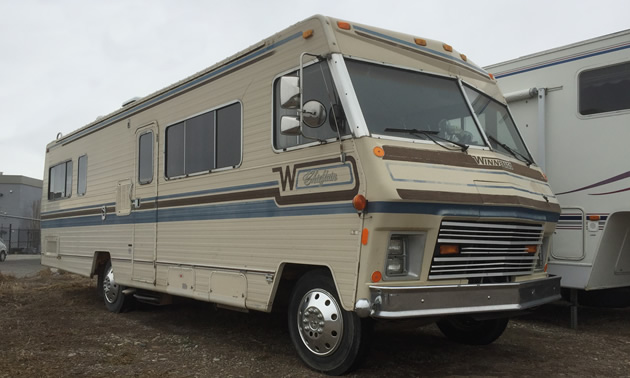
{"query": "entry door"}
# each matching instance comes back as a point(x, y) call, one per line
point(144, 204)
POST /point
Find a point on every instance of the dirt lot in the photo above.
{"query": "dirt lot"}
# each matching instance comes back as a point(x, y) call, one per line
point(56, 325)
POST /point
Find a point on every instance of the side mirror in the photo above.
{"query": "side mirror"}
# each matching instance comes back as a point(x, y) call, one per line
point(290, 92)
point(290, 126)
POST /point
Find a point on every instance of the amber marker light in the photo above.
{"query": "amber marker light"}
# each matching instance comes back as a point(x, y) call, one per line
point(464, 58)
point(343, 25)
point(364, 236)
point(594, 218)
point(448, 48)
point(546, 267)
point(307, 34)
point(377, 276)
point(379, 151)
point(491, 76)
point(359, 202)
point(449, 249)
point(420, 42)
point(531, 248)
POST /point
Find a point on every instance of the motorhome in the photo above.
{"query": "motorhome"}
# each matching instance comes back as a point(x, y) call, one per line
point(572, 105)
point(349, 172)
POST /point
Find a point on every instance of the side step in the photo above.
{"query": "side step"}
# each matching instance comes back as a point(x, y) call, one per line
point(149, 297)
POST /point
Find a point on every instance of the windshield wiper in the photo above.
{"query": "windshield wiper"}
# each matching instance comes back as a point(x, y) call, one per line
point(429, 134)
point(514, 153)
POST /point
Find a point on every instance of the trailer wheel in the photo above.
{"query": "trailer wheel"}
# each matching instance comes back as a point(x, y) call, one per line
point(466, 330)
point(115, 300)
point(3, 255)
point(327, 338)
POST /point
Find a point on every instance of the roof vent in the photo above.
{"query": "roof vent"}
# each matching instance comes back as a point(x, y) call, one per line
point(130, 101)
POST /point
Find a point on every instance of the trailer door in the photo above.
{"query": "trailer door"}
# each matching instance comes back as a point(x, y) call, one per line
point(144, 205)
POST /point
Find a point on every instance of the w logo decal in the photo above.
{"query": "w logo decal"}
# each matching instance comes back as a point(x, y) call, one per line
point(287, 177)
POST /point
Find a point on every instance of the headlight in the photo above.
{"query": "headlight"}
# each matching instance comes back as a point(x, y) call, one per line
point(404, 255)
point(397, 255)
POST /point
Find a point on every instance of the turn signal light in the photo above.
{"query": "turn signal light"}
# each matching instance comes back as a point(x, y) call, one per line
point(379, 151)
point(594, 218)
point(531, 248)
point(449, 249)
point(359, 202)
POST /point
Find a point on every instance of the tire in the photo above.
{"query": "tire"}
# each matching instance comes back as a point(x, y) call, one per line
point(466, 330)
point(112, 293)
point(327, 338)
point(3, 256)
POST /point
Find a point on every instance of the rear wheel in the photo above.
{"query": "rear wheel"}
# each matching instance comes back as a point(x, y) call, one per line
point(327, 338)
point(466, 330)
point(115, 299)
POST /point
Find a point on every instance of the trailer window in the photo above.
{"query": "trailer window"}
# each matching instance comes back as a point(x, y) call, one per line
point(605, 89)
point(145, 158)
point(205, 142)
point(60, 181)
point(82, 175)
point(318, 86)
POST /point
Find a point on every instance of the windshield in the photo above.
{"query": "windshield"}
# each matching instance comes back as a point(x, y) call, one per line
point(498, 125)
point(393, 99)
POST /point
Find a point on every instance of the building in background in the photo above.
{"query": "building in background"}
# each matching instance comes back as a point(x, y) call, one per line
point(20, 199)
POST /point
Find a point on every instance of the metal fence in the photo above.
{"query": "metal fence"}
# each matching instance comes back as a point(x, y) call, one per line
point(21, 240)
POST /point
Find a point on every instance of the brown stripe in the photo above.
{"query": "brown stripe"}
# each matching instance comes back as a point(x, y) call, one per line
point(457, 159)
point(475, 199)
point(274, 193)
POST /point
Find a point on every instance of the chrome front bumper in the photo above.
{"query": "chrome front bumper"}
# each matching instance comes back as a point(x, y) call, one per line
point(407, 302)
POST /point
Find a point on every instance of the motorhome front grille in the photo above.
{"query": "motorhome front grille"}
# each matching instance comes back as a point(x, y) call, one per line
point(472, 249)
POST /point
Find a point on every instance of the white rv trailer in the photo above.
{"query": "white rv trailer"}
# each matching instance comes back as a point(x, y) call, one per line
point(572, 105)
point(350, 171)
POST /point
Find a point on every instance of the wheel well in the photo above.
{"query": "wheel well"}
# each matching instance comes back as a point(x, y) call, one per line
point(98, 263)
point(290, 273)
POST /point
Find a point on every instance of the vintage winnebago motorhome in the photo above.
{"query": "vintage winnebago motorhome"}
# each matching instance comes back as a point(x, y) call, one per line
point(572, 105)
point(347, 171)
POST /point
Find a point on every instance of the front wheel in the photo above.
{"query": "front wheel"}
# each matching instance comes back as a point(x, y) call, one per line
point(112, 292)
point(466, 330)
point(3, 255)
point(327, 338)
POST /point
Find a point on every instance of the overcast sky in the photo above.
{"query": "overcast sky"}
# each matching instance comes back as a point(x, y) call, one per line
point(63, 62)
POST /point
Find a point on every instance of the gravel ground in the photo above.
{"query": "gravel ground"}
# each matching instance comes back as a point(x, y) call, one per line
point(54, 324)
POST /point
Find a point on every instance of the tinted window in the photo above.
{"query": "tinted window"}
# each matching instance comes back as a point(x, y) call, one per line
point(145, 158)
point(205, 142)
point(605, 89)
point(175, 150)
point(229, 133)
point(82, 175)
point(60, 181)
point(318, 86)
point(199, 144)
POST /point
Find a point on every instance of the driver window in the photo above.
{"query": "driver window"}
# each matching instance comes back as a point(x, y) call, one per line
point(318, 86)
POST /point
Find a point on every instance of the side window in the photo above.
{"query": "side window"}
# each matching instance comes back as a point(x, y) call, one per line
point(145, 158)
point(318, 86)
point(205, 142)
point(60, 181)
point(605, 89)
point(82, 175)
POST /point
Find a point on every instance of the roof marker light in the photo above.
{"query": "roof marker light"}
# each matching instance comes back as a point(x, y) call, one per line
point(343, 25)
point(420, 41)
point(464, 58)
point(307, 34)
point(448, 48)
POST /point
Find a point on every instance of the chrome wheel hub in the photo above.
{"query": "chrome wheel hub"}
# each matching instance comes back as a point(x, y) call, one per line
point(320, 322)
point(110, 287)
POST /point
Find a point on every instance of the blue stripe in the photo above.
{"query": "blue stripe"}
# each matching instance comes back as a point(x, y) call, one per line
point(269, 209)
point(175, 91)
point(421, 48)
point(498, 76)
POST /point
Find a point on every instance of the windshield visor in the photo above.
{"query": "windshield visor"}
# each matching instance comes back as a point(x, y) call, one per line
point(393, 98)
point(496, 122)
